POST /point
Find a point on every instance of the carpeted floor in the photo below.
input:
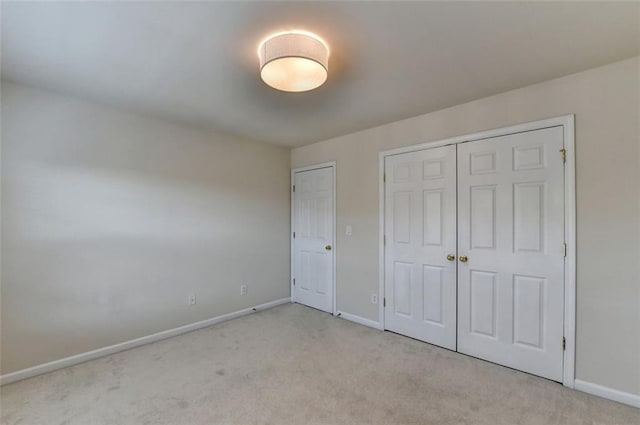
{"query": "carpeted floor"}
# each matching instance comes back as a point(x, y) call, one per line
point(296, 365)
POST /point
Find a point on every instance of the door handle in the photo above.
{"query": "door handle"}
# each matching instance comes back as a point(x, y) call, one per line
point(463, 259)
point(328, 247)
point(451, 257)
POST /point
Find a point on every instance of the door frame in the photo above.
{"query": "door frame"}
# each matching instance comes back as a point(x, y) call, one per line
point(567, 122)
point(332, 165)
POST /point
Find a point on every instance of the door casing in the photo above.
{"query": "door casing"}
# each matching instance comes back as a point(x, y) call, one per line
point(568, 124)
point(332, 165)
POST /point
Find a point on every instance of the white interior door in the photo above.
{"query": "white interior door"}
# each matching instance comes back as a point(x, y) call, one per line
point(313, 238)
point(511, 231)
point(420, 233)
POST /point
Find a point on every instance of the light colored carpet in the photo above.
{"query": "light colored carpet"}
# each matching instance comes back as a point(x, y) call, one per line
point(296, 365)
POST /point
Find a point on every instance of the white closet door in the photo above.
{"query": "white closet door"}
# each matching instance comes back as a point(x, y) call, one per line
point(313, 241)
point(511, 228)
point(420, 232)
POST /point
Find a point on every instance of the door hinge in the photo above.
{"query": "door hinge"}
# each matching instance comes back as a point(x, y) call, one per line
point(294, 281)
point(294, 188)
point(384, 239)
point(565, 249)
point(384, 301)
point(384, 177)
point(294, 235)
point(564, 344)
point(563, 151)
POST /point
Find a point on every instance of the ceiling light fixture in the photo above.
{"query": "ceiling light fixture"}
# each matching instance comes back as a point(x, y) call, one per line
point(294, 61)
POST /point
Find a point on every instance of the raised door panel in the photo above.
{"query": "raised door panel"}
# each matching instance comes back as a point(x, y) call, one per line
point(528, 216)
point(321, 215)
point(434, 169)
point(432, 291)
point(482, 210)
point(528, 311)
point(304, 274)
point(402, 288)
point(401, 172)
point(432, 217)
point(483, 303)
point(482, 163)
point(402, 217)
point(528, 157)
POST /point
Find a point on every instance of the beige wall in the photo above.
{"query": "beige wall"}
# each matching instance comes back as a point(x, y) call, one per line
point(605, 101)
point(110, 220)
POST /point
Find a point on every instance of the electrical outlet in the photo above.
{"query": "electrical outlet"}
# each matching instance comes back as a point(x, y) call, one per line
point(243, 289)
point(374, 298)
point(192, 299)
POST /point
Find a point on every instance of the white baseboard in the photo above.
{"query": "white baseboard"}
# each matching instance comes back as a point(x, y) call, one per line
point(101, 352)
point(608, 393)
point(359, 320)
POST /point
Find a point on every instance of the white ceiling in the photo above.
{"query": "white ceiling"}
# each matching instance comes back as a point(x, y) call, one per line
point(196, 63)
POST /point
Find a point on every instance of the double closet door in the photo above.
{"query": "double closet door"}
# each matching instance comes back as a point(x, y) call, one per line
point(474, 248)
